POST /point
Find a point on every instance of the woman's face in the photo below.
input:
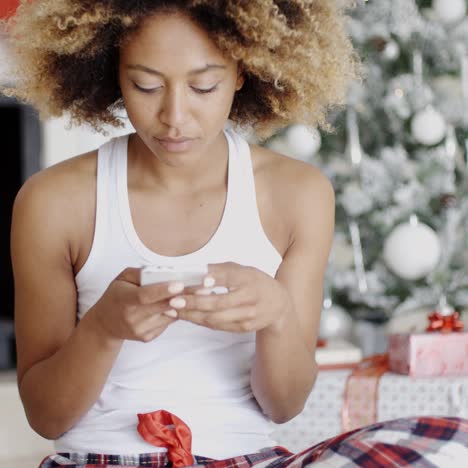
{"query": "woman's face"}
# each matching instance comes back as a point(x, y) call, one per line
point(176, 84)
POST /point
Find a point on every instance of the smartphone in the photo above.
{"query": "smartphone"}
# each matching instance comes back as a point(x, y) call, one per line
point(190, 275)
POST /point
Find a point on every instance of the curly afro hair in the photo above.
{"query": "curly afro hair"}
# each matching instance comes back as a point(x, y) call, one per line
point(297, 58)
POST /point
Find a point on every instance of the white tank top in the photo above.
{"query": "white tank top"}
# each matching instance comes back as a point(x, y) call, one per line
point(200, 375)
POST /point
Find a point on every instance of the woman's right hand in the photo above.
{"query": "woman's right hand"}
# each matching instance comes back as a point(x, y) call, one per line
point(128, 311)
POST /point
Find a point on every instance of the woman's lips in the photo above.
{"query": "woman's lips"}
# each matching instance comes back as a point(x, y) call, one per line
point(176, 146)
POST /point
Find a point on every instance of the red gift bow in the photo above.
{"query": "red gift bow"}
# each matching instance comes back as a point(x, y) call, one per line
point(164, 429)
point(445, 323)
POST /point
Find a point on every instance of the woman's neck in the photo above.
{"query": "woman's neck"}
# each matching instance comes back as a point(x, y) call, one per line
point(180, 173)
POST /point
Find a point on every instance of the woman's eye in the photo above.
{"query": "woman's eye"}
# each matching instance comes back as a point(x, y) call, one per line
point(197, 90)
point(145, 90)
point(205, 91)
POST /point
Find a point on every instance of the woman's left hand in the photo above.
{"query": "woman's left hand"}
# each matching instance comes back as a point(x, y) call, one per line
point(255, 301)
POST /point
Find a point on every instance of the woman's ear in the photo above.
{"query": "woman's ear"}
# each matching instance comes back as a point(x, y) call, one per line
point(240, 77)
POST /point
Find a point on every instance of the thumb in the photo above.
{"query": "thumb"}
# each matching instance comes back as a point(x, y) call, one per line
point(130, 275)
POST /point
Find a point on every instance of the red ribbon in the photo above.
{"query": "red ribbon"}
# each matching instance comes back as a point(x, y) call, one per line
point(164, 429)
point(361, 392)
point(445, 323)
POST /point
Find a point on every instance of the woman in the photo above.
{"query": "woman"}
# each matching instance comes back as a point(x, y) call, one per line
point(122, 374)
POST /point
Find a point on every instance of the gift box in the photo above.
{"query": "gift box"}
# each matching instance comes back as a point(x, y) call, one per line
point(337, 353)
point(429, 354)
point(397, 396)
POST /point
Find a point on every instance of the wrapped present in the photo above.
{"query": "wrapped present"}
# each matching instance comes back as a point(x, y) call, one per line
point(336, 353)
point(334, 405)
point(441, 351)
point(428, 355)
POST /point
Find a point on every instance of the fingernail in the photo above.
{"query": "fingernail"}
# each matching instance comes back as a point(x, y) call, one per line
point(209, 282)
point(177, 302)
point(175, 288)
point(171, 313)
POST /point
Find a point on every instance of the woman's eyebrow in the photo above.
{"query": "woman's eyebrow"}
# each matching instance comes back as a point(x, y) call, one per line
point(192, 72)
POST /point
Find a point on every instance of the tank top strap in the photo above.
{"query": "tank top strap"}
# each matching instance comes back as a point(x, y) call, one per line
point(245, 208)
point(106, 171)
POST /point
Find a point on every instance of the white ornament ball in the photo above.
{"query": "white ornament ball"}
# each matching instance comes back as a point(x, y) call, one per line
point(335, 323)
point(391, 51)
point(449, 11)
point(279, 145)
point(428, 126)
point(303, 142)
point(412, 250)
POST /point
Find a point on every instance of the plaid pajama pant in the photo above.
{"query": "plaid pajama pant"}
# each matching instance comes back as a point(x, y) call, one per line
point(421, 442)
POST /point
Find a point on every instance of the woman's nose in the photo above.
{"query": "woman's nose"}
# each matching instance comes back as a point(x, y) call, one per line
point(174, 108)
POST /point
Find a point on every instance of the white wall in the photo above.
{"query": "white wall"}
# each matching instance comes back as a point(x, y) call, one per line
point(60, 143)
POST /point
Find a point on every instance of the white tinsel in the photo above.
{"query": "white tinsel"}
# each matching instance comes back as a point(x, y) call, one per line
point(384, 18)
point(376, 180)
point(398, 164)
point(355, 200)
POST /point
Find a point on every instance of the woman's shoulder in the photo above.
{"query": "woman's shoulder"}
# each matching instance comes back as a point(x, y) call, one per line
point(59, 194)
point(287, 175)
point(295, 193)
point(63, 181)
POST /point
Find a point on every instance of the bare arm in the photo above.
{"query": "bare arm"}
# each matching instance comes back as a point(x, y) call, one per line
point(284, 369)
point(62, 367)
point(48, 344)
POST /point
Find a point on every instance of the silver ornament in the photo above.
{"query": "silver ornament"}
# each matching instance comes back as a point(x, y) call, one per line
point(412, 250)
point(391, 51)
point(334, 322)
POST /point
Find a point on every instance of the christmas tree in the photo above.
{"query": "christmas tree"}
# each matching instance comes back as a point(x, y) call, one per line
point(398, 162)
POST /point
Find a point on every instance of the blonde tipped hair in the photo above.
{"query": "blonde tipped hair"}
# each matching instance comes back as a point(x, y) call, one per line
point(296, 56)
